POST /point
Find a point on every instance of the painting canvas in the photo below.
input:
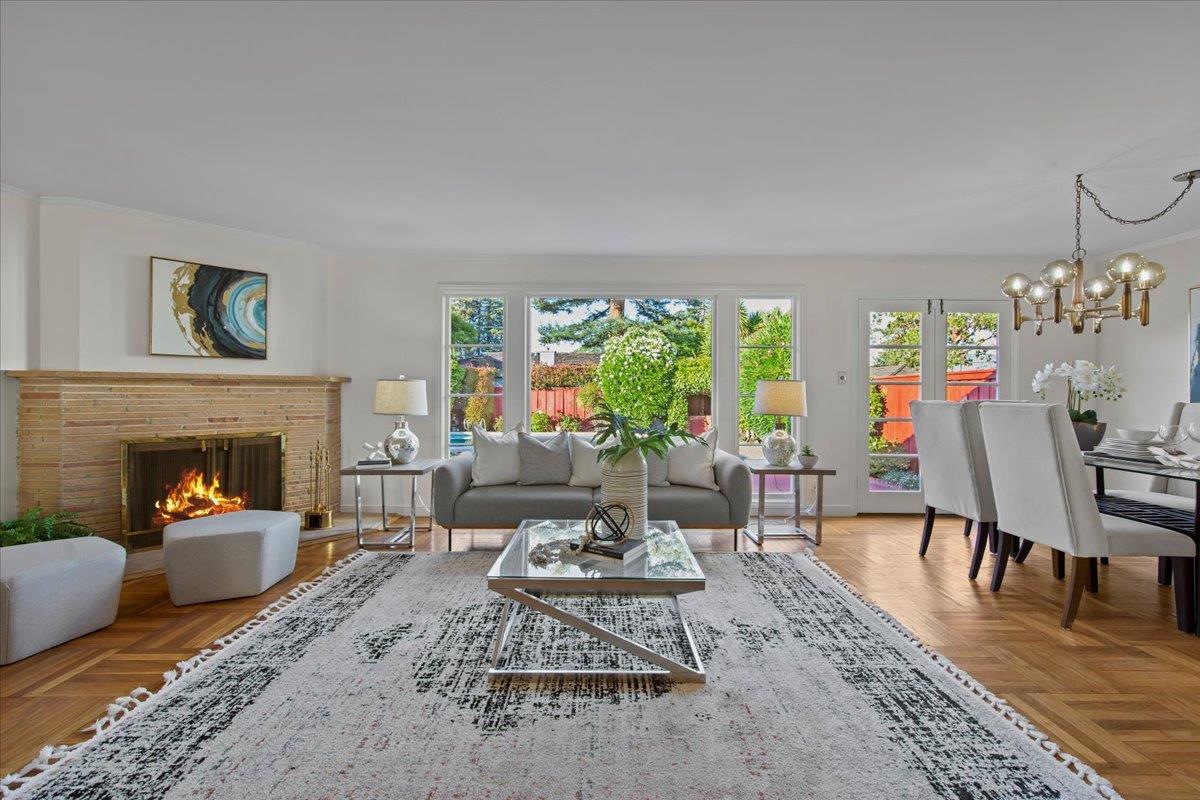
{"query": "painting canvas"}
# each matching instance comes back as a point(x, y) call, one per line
point(207, 311)
point(1194, 345)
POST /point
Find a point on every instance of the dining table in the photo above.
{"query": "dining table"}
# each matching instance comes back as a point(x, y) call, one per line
point(1175, 519)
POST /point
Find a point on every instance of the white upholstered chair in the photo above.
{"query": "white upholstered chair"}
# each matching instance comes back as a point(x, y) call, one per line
point(954, 474)
point(1163, 492)
point(1043, 493)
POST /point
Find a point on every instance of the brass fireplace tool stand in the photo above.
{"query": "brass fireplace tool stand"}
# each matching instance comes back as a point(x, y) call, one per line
point(320, 516)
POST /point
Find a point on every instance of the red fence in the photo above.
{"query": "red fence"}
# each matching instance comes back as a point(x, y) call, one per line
point(559, 402)
point(897, 398)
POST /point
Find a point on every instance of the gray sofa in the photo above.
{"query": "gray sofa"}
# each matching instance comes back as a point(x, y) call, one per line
point(459, 505)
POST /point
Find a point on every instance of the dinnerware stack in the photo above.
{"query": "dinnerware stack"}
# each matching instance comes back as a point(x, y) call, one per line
point(1118, 447)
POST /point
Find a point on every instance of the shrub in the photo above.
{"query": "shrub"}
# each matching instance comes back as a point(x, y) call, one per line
point(693, 376)
point(37, 526)
point(636, 373)
point(540, 422)
point(569, 423)
point(558, 376)
point(480, 409)
point(589, 398)
point(763, 364)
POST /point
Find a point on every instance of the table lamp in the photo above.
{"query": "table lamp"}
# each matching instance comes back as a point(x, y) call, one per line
point(780, 399)
point(400, 397)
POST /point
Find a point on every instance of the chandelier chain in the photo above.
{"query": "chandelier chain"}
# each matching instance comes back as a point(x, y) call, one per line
point(1079, 185)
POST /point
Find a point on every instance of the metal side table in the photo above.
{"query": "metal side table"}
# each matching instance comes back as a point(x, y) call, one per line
point(814, 512)
point(413, 470)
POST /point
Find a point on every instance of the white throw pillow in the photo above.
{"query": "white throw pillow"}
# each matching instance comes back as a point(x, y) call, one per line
point(585, 462)
point(691, 463)
point(656, 470)
point(497, 458)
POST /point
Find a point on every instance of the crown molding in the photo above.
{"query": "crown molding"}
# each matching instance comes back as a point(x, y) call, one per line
point(1179, 237)
point(8, 188)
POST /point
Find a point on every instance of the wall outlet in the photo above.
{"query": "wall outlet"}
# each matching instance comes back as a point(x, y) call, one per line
point(843, 378)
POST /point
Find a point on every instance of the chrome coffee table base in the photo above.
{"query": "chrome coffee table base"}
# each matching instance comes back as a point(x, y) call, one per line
point(668, 667)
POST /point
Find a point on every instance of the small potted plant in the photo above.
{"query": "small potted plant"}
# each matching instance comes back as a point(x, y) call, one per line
point(808, 459)
point(36, 525)
point(1085, 381)
point(623, 462)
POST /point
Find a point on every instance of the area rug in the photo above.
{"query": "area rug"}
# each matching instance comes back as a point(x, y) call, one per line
point(370, 683)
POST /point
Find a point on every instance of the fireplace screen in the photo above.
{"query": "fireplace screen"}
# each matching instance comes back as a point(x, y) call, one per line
point(167, 480)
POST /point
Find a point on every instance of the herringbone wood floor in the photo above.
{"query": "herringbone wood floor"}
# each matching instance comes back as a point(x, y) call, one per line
point(1120, 691)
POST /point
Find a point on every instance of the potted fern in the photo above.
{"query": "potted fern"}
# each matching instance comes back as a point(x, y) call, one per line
point(623, 460)
point(36, 525)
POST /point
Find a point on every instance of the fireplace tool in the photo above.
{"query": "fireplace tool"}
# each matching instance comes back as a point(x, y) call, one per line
point(320, 515)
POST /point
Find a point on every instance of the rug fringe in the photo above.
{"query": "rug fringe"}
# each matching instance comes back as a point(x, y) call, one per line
point(1085, 773)
point(52, 757)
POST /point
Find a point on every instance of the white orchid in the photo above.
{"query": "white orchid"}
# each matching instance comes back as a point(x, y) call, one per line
point(1085, 381)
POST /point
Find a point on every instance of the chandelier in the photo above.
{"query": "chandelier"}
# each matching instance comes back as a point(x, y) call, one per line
point(1088, 295)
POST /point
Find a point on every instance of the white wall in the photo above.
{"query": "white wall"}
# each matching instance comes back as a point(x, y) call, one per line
point(18, 322)
point(1154, 359)
point(387, 315)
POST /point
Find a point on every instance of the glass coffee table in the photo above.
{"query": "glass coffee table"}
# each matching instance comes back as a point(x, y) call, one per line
point(536, 562)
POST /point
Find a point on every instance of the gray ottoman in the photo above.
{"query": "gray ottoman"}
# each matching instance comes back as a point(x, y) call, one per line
point(52, 592)
point(229, 555)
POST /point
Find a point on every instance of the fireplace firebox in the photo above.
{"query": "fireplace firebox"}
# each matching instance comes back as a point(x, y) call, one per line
point(167, 479)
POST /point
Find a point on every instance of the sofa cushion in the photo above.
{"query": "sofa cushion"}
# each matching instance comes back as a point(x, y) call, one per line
point(544, 461)
point(497, 458)
point(688, 506)
point(506, 506)
point(585, 464)
point(691, 463)
point(656, 470)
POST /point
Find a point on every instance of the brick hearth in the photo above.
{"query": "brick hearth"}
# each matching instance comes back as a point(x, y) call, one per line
point(70, 426)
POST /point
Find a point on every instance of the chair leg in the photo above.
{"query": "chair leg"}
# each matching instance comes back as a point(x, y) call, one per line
point(1164, 572)
point(927, 531)
point(1058, 562)
point(1001, 559)
point(735, 539)
point(981, 540)
point(449, 540)
point(1185, 593)
point(1016, 547)
point(1093, 582)
point(1104, 560)
point(994, 540)
point(1023, 553)
point(1079, 570)
point(967, 527)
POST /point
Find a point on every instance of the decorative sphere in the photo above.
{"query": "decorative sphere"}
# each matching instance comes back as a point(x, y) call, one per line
point(1124, 267)
point(1058, 273)
point(779, 448)
point(1098, 288)
point(1151, 275)
point(1039, 293)
point(1015, 285)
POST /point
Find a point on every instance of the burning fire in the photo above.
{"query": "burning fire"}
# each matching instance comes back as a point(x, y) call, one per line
point(191, 497)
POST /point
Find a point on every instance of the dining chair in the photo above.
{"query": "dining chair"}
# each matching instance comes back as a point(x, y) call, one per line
point(1170, 493)
point(954, 473)
point(1042, 493)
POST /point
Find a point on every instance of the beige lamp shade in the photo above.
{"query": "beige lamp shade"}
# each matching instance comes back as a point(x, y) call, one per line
point(781, 398)
point(400, 397)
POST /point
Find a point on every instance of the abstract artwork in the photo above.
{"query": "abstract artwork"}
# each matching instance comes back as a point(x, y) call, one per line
point(206, 311)
point(1194, 345)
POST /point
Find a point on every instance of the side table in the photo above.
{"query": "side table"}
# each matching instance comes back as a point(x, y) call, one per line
point(414, 469)
point(815, 512)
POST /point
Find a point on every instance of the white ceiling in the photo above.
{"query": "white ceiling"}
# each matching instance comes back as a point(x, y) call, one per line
point(634, 128)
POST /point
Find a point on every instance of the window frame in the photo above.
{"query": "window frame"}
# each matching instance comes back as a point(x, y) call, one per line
point(446, 396)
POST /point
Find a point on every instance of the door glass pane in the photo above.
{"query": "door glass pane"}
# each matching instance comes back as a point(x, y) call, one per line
point(891, 400)
point(895, 327)
point(893, 474)
point(896, 364)
point(891, 437)
point(971, 328)
point(957, 393)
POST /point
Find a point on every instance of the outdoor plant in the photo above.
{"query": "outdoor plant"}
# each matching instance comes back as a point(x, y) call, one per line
point(480, 406)
point(569, 423)
point(589, 397)
point(693, 376)
point(1086, 381)
point(635, 374)
point(36, 525)
point(540, 422)
point(626, 436)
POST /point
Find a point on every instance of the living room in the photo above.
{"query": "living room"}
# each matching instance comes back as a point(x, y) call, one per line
point(333, 332)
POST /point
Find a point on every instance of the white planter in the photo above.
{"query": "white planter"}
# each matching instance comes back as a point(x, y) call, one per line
point(625, 482)
point(808, 462)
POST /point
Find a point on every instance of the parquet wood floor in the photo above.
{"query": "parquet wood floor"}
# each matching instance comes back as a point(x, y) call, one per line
point(1120, 691)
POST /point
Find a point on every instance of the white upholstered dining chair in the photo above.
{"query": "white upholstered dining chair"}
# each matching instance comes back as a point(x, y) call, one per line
point(954, 474)
point(1042, 493)
point(1164, 492)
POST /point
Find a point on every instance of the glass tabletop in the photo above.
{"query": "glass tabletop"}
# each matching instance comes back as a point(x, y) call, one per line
point(667, 557)
point(1142, 467)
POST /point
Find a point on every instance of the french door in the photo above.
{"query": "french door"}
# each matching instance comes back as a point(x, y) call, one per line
point(920, 349)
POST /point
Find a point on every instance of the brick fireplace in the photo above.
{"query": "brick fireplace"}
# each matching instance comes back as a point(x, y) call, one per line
point(80, 433)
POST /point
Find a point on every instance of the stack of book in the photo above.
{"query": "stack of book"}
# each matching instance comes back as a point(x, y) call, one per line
point(627, 550)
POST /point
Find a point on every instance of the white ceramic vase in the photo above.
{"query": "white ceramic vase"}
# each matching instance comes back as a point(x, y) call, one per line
point(624, 481)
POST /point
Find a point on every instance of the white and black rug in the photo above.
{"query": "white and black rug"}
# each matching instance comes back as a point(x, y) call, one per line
point(371, 684)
